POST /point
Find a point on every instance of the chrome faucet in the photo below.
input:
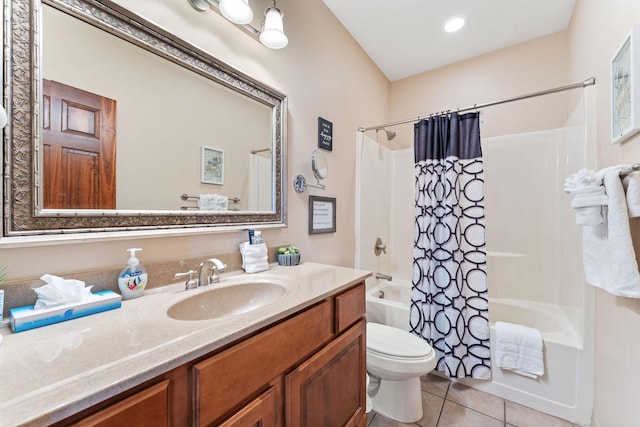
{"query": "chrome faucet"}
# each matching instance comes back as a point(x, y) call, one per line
point(207, 273)
point(383, 276)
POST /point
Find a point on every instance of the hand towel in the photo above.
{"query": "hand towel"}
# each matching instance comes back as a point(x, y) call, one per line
point(589, 202)
point(519, 349)
point(255, 258)
point(631, 184)
point(608, 254)
point(213, 202)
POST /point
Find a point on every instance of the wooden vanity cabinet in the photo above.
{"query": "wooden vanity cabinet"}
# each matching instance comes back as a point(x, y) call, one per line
point(307, 370)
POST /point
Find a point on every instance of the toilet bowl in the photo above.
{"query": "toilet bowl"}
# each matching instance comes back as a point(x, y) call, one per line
point(397, 359)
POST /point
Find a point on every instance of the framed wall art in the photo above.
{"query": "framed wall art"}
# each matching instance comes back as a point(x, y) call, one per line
point(322, 214)
point(625, 88)
point(325, 134)
point(212, 166)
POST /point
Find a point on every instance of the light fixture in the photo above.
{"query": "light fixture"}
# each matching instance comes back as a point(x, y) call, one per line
point(239, 12)
point(454, 24)
point(236, 11)
point(272, 34)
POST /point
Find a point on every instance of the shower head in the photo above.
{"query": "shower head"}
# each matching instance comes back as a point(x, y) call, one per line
point(390, 134)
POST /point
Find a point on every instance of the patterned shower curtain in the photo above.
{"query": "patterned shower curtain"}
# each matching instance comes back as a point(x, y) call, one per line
point(449, 301)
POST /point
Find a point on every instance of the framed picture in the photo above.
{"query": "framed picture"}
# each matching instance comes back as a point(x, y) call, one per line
point(212, 166)
point(322, 215)
point(625, 88)
point(325, 134)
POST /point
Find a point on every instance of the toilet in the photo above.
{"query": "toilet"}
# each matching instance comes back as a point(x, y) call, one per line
point(396, 360)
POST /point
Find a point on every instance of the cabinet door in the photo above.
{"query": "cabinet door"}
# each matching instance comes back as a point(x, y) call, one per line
point(259, 413)
point(146, 408)
point(329, 388)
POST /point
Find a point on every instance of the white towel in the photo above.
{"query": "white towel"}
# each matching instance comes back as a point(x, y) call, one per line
point(519, 349)
point(631, 184)
point(609, 257)
point(255, 258)
point(582, 178)
point(589, 202)
point(213, 202)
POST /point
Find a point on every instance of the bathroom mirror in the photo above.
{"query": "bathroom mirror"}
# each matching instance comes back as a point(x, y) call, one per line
point(320, 168)
point(171, 145)
point(319, 165)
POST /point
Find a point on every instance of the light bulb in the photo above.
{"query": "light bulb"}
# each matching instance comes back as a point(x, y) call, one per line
point(236, 11)
point(272, 34)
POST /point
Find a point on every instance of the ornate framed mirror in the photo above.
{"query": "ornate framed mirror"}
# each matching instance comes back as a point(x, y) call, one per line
point(168, 157)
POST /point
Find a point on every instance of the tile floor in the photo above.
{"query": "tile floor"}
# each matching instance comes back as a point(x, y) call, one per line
point(450, 404)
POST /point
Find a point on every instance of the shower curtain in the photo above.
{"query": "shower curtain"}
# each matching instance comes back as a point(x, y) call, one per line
point(449, 300)
point(259, 197)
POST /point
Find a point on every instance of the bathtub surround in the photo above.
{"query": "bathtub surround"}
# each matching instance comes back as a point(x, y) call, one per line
point(449, 299)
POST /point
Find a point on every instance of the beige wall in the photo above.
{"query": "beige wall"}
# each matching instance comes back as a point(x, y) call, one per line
point(596, 32)
point(528, 67)
point(322, 71)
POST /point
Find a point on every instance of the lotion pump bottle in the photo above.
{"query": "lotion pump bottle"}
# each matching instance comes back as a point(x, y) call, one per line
point(133, 278)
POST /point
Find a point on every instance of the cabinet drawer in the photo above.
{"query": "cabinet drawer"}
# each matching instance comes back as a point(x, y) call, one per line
point(350, 307)
point(148, 407)
point(224, 381)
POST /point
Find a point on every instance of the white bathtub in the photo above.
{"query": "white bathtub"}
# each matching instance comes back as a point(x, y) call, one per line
point(558, 392)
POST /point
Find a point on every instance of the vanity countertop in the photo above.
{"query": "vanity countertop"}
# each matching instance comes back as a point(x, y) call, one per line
point(52, 372)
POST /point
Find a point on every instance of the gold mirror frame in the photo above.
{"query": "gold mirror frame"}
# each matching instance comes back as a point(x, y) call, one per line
point(22, 91)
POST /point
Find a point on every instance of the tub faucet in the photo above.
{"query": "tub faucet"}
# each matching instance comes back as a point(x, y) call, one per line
point(208, 268)
point(384, 276)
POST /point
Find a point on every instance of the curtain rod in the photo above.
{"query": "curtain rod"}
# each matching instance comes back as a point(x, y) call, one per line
point(589, 82)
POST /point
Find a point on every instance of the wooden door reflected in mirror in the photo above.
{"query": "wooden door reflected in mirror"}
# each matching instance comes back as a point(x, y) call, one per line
point(79, 148)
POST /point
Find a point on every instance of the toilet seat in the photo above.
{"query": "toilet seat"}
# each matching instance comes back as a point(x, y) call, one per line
point(395, 343)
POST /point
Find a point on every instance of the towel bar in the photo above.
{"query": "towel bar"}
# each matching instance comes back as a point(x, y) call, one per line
point(185, 196)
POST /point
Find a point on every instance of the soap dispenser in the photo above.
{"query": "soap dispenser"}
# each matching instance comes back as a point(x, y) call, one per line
point(133, 278)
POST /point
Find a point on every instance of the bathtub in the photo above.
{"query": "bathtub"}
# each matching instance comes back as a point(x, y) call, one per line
point(559, 392)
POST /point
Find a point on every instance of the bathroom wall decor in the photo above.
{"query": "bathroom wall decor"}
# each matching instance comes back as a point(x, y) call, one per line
point(325, 134)
point(322, 214)
point(625, 93)
point(212, 166)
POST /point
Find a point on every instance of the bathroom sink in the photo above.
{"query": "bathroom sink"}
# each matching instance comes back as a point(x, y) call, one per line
point(227, 301)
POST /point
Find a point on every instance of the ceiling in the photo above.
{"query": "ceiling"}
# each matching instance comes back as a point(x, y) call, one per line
point(405, 37)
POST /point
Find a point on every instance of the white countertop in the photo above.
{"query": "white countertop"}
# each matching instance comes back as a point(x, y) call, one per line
point(52, 372)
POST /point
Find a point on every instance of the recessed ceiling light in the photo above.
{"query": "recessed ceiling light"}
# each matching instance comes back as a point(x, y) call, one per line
point(454, 24)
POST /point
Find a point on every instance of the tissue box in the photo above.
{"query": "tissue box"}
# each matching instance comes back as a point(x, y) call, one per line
point(25, 318)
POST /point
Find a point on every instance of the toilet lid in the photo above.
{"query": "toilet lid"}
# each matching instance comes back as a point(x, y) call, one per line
point(392, 341)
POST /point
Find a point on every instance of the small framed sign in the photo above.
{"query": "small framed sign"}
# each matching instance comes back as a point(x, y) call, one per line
point(625, 96)
point(325, 134)
point(322, 214)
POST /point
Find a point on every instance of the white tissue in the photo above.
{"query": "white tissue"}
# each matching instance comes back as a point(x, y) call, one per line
point(59, 291)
